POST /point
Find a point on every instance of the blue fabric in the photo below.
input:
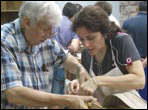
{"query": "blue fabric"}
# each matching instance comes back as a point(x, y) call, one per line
point(143, 92)
point(58, 83)
point(137, 28)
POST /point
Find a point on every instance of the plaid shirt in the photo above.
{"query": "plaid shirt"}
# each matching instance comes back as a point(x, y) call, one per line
point(22, 67)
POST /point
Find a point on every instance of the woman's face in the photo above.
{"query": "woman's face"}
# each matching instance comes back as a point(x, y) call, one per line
point(93, 41)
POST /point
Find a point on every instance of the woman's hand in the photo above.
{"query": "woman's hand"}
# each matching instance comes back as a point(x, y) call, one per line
point(88, 87)
point(73, 87)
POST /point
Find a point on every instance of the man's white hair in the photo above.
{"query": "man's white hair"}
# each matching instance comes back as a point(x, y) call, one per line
point(46, 11)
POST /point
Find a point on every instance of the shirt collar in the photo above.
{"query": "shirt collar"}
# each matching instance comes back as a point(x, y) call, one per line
point(142, 12)
point(22, 44)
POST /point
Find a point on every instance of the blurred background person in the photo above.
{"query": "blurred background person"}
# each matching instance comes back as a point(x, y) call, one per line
point(108, 9)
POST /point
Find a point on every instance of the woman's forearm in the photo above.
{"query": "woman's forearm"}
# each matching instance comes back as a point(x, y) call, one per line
point(125, 82)
point(135, 79)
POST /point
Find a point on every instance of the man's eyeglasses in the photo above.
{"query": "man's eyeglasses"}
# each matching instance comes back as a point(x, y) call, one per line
point(48, 32)
point(49, 35)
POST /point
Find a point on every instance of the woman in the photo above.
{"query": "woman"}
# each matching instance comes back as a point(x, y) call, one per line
point(110, 56)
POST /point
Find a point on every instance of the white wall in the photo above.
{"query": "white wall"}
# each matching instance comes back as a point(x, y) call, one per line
point(115, 4)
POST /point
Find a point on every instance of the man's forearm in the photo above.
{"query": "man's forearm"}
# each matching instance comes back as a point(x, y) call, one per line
point(29, 97)
point(72, 65)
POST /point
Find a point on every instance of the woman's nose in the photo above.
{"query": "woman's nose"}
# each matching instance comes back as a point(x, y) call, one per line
point(86, 43)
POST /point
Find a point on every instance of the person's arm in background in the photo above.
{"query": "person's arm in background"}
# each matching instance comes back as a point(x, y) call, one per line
point(74, 45)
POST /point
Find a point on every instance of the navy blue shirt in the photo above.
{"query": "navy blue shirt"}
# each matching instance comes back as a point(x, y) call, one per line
point(137, 28)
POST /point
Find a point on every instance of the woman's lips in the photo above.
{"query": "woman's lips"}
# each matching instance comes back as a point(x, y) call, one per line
point(91, 50)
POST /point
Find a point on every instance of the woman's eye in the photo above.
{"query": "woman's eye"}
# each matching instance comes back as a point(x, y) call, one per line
point(91, 38)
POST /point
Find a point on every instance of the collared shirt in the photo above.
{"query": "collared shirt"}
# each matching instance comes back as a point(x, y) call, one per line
point(66, 34)
point(21, 67)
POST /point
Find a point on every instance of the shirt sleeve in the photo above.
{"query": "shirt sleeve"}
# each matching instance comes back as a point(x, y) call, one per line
point(10, 74)
point(127, 49)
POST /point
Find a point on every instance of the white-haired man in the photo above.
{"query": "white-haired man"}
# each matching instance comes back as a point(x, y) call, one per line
point(28, 58)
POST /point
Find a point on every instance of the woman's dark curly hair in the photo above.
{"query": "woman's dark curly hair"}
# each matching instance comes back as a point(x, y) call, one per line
point(95, 19)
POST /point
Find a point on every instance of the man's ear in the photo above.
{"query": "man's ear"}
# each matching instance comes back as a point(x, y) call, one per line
point(26, 22)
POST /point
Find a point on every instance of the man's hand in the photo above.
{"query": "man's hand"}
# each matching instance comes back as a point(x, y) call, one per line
point(83, 75)
point(73, 66)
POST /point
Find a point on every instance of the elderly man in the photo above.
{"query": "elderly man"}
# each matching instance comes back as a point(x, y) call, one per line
point(28, 58)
